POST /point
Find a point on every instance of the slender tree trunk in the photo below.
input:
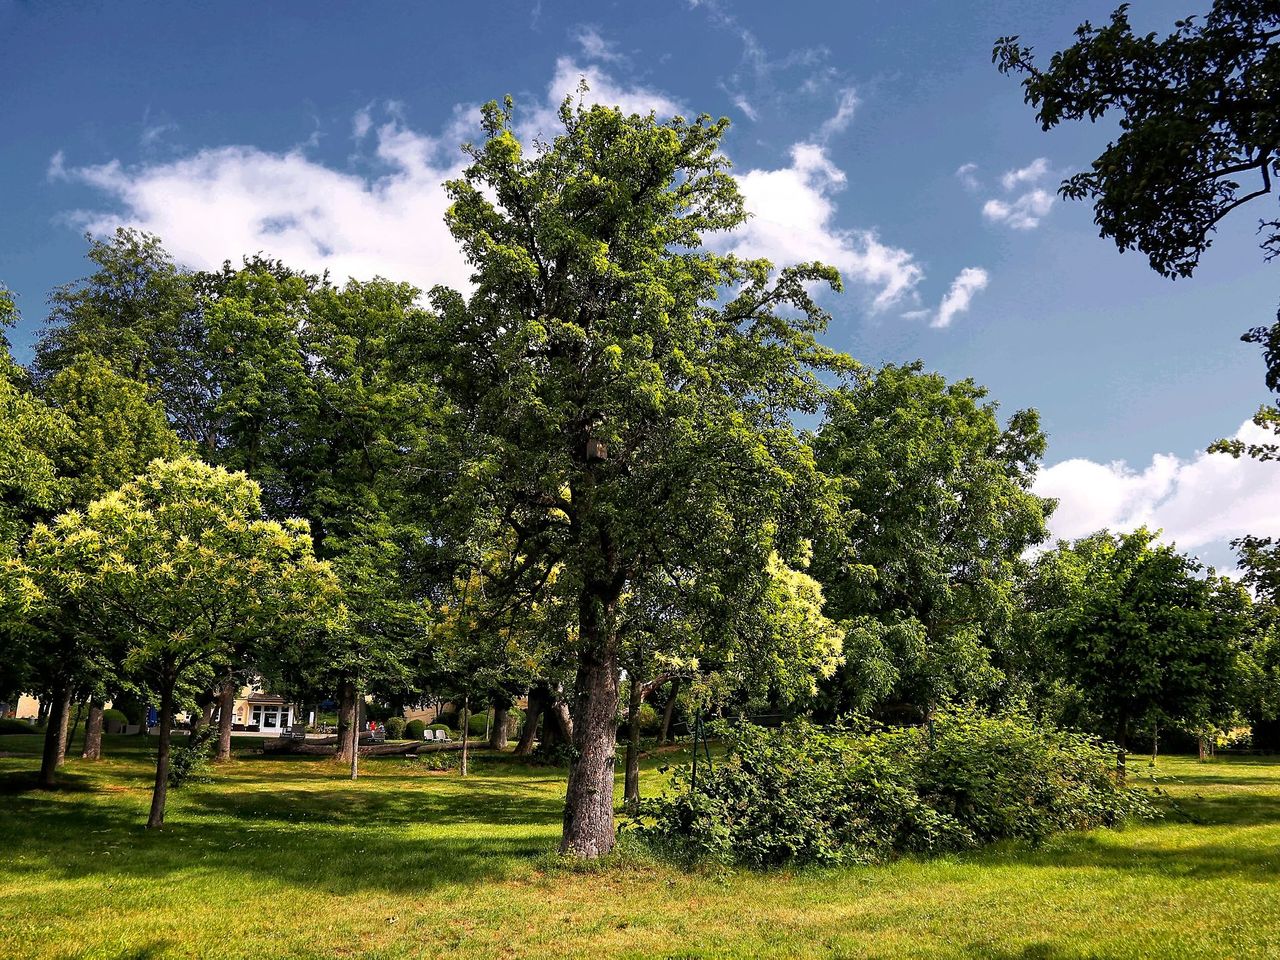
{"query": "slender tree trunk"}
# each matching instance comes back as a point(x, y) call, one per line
point(1122, 748)
point(93, 732)
point(161, 790)
point(588, 830)
point(530, 732)
point(466, 730)
point(354, 724)
point(1155, 743)
point(560, 717)
point(43, 709)
point(669, 713)
point(347, 719)
point(65, 742)
point(1202, 747)
point(226, 706)
point(55, 735)
point(498, 732)
point(631, 790)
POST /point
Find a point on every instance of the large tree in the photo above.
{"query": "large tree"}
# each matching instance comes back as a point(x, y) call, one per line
point(182, 565)
point(1142, 633)
point(1199, 116)
point(619, 418)
point(936, 513)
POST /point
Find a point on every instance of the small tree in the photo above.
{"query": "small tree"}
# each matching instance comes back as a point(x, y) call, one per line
point(182, 564)
point(1143, 636)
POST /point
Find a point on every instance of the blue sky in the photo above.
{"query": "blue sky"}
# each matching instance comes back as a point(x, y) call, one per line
point(877, 136)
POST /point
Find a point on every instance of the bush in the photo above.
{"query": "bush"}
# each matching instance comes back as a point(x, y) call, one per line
point(191, 763)
point(12, 725)
point(396, 727)
point(438, 761)
point(440, 726)
point(853, 795)
point(448, 717)
point(477, 723)
point(114, 721)
point(413, 730)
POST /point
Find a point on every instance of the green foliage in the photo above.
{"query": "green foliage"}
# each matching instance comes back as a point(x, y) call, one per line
point(650, 720)
point(477, 723)
point(115, 717)
point(12, 725)
point(191, 763)
point(396, 728)
point(438, 761)
point(1197, 123)
point(1140, 632)
point(413, 730)
point(936, 513)
point(805, 794)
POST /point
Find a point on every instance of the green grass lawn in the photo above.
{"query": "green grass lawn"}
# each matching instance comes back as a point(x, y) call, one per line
point(286, 858)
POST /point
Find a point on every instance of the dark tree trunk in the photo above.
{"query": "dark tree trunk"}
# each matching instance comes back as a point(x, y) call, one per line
point(93, 732)
point(631, 791)
point(1122, 747)
point(55, 735)
point(588, 806)
point(43, 709)
point(347, 718)
point(160, 791)
point(498, 732)
point(466, 730)
point(226, 704)
point(64, 743)
point(664, 736)
point(530, 732)
point(561, 721)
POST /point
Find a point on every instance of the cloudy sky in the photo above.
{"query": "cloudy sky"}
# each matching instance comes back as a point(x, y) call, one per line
point(875, 137)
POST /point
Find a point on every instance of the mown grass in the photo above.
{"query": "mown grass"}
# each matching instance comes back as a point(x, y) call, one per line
point(286, 858)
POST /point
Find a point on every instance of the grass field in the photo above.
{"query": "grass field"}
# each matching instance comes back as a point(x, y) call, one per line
point(285, 858)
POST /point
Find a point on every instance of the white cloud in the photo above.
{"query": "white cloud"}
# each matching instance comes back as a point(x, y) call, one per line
point(967, 283)
point(226, 201)
point(1031, 173)
point(793, 220)
point(594, 46)
point(1198, 502)
point(965, 173)
point(1024, 213)
point(1027, 209)
point(840, 120)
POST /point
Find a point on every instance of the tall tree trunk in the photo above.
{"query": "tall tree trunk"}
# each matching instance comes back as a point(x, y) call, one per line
point(466, 730)
point(1122, 747)
point(55, 735)
point(346, 719)
point(65, 741)
point(631, 790)
point(498, 730)
point(588, 830)
point(160, 792)
point(530, 731)
point(93, 732)
point(664, 736)
point(226, 706)
point(354, 738)
point(561, 720)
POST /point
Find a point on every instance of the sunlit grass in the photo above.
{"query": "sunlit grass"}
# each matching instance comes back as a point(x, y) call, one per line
point(287, 858)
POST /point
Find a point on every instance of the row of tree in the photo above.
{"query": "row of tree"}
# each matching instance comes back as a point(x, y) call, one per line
point(582, 480)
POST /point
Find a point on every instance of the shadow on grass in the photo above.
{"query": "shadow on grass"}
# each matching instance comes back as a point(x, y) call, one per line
point(343, 839)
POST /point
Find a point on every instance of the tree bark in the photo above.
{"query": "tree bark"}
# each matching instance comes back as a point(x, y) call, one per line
point(1122, 747)
point(347, 718)
point(93, 732)
point(631, 790)
point(226, 706)
point(55, 736)
point(353, 744)
point(65, 741)
point(161, 790)
point(466, 730)
point(557, 725)
point(530, 731)
point(668, 714)
point(498, 731)
point(588, 830)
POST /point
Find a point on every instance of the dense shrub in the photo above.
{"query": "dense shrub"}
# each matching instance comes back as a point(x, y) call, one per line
point(437, 761)
point(413, 730)
point(114, 721)
point(191, 763)
point(396, 727)
point(14, 725)
point(855, 795)
point(477, 723)
point(440, 726)
point(448, 717)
